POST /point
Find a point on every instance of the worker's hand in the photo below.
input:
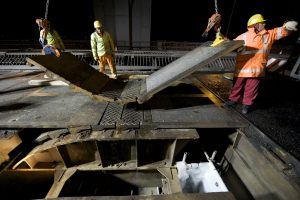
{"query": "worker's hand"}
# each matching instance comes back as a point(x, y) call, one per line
point(291, 25)
point(96, 59)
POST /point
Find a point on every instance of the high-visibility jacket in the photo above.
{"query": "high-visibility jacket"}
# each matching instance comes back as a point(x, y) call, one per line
point(101, 44)
point(51, 38)
point(252, 60)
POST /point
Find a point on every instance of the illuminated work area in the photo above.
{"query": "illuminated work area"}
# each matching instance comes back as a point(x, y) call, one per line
point(121, 100)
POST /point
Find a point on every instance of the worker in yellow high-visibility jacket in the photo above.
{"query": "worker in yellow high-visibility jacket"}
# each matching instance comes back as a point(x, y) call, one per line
point(103, 48)
point(49, 38)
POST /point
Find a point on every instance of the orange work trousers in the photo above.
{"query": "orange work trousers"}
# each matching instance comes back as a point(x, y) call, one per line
point(107, 59)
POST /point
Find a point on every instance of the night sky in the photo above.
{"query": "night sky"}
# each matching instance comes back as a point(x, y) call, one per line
point(186, 20)
point(72, 19)
point(172, 20)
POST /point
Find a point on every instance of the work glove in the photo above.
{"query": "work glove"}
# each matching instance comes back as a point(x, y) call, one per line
point(96, 59)
point(291, 25)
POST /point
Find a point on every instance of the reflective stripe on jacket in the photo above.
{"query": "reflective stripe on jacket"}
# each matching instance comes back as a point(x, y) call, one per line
point(252, 60)
point(101, 44)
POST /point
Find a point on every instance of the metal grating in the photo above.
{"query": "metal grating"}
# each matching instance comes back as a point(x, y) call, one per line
point(113, 89)
point(112, 114)
point(132, 115)
point(131, 90)
point(224, 64)
point(128, 62)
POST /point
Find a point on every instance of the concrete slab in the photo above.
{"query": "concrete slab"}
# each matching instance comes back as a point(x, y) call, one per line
point(184, 66)
point(79, 75)
point(25, 106)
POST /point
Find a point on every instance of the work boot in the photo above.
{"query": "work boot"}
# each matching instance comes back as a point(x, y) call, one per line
point(114, 76)
point(230, 104)
point(228, 76)
point(245, 109)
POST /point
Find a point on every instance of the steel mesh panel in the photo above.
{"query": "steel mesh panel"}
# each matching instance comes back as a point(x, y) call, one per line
point(131, 90)
point(120, 60)
point(221, 64)
point(113, 89)
point(112, 114)
point(14, 59)
point(132, 115)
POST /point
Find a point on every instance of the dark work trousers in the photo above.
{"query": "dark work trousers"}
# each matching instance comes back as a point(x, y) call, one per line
point(245, 89)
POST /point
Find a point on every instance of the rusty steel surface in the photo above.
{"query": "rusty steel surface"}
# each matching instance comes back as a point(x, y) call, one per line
point(276, 111)
point(24, 106)
point(134, 127)
point(85, 78)
point(107, 149)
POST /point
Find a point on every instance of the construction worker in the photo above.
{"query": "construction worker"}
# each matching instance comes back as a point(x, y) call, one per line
point(252, 59)
point(103, 49)
point(49, 39)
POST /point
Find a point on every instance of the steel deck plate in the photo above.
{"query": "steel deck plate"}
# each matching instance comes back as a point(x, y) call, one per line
point(25, 106)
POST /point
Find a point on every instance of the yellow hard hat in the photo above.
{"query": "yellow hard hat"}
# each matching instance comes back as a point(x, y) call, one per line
point(258, 18)
point(97, 24)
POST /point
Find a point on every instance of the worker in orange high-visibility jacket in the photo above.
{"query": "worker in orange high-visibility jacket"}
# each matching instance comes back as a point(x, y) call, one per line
point(252, 59)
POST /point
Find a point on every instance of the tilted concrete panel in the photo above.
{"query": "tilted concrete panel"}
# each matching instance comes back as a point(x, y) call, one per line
point(184, 66)
point(79, 75)
point(84, 78)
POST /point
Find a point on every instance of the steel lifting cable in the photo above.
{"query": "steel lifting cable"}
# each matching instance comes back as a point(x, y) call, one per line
point(46, 16)
point(216, 9)
point(216, 6)
point(46, 12)
point(233, 7)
